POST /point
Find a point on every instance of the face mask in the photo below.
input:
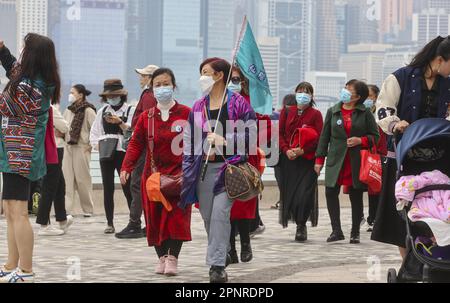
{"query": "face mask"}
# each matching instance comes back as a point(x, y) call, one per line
point(237, 88)
point(115, 101)
point(303, 99)
point(164, 94)
point(346, 96)
point(369, 103)
point(72, 98)
point(206, 84)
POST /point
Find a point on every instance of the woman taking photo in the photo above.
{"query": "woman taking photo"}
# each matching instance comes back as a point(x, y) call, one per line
point(166, 230)
point(215, 206)
point(24, 109)
point(349, 126)
point(298, 182)
point(107, 137)
point(80, 115)
point(419, 90)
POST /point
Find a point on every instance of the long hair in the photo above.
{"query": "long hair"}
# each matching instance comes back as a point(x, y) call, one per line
point(38, 61)
point(439, 46)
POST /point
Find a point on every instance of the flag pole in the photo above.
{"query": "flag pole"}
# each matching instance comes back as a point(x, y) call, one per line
point(238, 42)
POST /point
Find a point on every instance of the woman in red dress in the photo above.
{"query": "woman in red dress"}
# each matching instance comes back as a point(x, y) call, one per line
point(166, 230)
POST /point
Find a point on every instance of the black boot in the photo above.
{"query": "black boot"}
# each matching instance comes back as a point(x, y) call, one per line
point(217, 274)
point(246, 252)
point(234, 259)
point(354, 237)
point(302, 233)
point(336, 236)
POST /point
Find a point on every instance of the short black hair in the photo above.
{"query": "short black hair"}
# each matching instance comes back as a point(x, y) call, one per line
point(361, 89)
point(374, 88)
point(164, 71)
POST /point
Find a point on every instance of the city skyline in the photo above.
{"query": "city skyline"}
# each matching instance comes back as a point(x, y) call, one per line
point(99, 39)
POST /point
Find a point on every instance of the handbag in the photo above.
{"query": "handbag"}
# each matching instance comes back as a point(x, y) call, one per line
point(371, 170)
point(242, 181)
point(305, 138)
point(160, 187)
point(107, 148)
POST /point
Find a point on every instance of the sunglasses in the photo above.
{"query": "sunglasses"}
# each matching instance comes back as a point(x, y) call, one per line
point(236, 80)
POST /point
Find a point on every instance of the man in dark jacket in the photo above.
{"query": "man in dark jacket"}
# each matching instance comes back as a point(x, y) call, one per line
point(147, 101)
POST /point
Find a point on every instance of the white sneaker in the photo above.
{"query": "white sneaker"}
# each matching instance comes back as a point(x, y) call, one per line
point(4, 272)
point(18, 276)
point(69, 222)
point(49, 230)
point(87, 215)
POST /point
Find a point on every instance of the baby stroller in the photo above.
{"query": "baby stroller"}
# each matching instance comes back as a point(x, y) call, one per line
point(425, 146)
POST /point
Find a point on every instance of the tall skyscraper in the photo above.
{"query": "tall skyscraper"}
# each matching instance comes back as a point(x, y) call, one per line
point(182, 47)
point(361, 28)
point(398, 57)
point(430, 23)
point(91, 48)
point(341, 26)
point(270, 53)
point(144, 46)
point(32, 17)
point(326, 84)
point(365, 62)
point(445, 4)
point(292, 21)
point(396, 19)
point(8, 24)
point(221, 29)
point(327, 43)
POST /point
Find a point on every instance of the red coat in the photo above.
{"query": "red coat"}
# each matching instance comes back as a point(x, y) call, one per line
point(146, 102)
point(161, 225)
point(247, 210)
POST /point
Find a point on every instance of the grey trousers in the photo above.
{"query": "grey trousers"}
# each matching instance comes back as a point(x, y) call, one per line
point(215, 211)
point(136, 203)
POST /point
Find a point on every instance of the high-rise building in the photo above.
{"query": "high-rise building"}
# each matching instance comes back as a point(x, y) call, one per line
point(445, 4)
point(327, 43)
point(398, 57)
point(292, 21)
point(430, 23)
point(91, 48)
point(396, 19)
point(326, 84)
point(182, 46)
point(364, 62)
point(270, 53)
point(341, 26)
point(8, 24)
point(144, 44)
point(32, 17)
point(218, 16)
point(361, 28)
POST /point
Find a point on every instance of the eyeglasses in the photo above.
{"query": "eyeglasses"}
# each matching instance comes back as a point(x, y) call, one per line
point(236, 80)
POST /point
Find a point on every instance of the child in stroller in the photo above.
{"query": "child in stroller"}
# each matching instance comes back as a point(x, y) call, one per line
point(423, 195)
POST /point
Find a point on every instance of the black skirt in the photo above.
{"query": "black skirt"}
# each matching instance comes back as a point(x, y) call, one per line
point(389, 227)
point(297, 190)
point(15, 187)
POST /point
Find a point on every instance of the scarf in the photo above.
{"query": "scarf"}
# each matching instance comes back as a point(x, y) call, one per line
point(79, 109)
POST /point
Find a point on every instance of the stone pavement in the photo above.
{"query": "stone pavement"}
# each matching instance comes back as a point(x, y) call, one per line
point(85, 254)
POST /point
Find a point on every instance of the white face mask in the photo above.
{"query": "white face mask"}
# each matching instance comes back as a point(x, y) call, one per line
point(72, 98)
point(206, 84)
point(115, 101)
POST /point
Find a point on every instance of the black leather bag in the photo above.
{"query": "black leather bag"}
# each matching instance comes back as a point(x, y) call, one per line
point(107, 148)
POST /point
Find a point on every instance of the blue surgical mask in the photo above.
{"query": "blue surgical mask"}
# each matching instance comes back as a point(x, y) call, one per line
point(164, 94)
point(303, 98)
point(115, 101)
point(369, 103)
point(237, 88)
point(346, 96)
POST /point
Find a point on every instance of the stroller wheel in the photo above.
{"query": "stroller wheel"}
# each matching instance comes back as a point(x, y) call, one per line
point(392, 276)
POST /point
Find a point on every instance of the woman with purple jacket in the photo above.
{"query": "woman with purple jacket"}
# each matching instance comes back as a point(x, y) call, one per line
point(230, 141)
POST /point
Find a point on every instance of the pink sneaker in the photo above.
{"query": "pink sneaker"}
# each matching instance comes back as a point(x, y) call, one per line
point(161, 266)
point(171, 266)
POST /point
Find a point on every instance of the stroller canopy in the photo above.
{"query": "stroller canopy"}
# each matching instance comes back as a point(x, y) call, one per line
point(420, 131)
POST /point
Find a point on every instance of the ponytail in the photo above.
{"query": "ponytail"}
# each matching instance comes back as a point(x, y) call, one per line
point(439, 46)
